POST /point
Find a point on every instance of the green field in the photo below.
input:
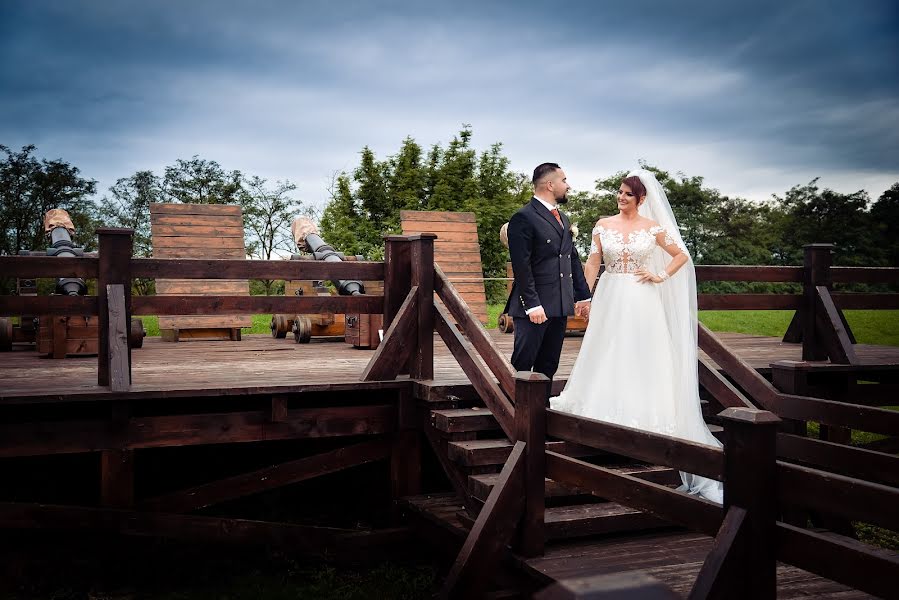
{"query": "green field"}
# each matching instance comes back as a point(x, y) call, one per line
point(869, 326)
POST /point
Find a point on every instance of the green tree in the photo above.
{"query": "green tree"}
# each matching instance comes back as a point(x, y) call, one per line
point(129, 206)
point(454, 176)
point(200, 181)
point(406, 177)
point(885, 221)
point(499, 193)
point(268, 213)
point(343, 226)
point(29, 187)
point(813, 215)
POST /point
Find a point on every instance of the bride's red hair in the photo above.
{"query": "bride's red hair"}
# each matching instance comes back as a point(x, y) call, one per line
point(636, 186)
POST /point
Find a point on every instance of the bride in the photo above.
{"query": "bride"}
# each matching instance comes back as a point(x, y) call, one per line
point(637, 365)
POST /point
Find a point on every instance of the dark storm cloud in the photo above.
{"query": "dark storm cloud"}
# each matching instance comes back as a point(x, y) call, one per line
point(756, 96)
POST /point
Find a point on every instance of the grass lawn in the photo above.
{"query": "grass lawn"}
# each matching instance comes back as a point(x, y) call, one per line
point(869, 326)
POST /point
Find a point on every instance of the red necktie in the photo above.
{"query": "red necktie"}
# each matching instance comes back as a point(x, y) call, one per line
point(556, 214)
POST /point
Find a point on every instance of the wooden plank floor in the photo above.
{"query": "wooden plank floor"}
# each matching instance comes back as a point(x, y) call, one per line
point(260, 361)
point(671, 556)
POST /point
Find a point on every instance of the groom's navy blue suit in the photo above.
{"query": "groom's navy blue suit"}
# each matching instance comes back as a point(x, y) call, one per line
point(548, 273)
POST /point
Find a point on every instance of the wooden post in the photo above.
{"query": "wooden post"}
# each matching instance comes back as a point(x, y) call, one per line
point(117, 478)
point(119, 364)
point(817, 261)
point(789, 379)
point(421, 364)
point(397, 274)
point(397, 279)
point(405, 454)
point(116, 247)
point(750, 482)
point(531, 395)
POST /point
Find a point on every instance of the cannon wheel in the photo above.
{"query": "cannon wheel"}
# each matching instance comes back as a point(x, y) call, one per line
point(505, 323)
point(280, 326)
point(137, 334)
point(302, 329)
point(5, 335)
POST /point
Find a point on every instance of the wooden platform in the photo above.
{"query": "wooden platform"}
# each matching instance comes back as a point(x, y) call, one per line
point(671, 556)
point(207, 368)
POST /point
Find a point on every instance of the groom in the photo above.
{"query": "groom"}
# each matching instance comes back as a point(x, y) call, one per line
point(549, 277)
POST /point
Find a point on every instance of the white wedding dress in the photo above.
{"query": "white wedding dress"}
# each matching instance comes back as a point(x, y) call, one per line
point(637, 364)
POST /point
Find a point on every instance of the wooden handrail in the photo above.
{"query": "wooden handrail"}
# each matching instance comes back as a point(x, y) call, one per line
point(48, 305)
point(834, 412)
point(49, 266)
point(195, 268)
point(201, 305)
point(480, 377)
point(864, 274)
point(843, 560)
point(763, 273)
point(860, 463)
point(749, 301)
point(789, 406)
point(493, 357)
point(691, 511)
point(642, 445)
point(838, 495)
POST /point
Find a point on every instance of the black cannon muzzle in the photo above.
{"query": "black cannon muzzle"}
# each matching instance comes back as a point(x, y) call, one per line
point(322, 251)
point(61, 245)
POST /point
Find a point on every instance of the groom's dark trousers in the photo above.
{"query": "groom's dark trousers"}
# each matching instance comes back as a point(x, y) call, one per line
point(548, 273)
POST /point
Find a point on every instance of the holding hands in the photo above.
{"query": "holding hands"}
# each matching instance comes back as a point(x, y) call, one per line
point(582, 309)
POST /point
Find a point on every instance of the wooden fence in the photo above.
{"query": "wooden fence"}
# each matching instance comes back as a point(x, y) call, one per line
point(772, 473)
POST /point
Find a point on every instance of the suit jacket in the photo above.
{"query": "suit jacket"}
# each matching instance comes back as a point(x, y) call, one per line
point(545, 263)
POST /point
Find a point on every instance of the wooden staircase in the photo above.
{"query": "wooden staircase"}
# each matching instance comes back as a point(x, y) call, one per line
point(477, 449)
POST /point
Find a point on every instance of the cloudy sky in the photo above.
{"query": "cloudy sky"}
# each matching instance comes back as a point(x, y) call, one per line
point(755, 96)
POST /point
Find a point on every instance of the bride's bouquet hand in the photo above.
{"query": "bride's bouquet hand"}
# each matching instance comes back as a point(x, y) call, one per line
point(645, 276)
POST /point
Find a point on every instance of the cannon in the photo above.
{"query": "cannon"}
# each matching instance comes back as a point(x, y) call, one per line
point(79, 333)
point(304, 327)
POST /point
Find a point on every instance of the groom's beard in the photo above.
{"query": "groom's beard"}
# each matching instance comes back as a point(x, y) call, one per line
point(562, 200)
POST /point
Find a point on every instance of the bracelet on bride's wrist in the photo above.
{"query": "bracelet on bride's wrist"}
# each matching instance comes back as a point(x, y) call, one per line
point(664, 275)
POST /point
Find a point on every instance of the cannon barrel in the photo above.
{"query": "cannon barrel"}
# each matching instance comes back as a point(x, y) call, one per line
point(306, 236)
point(58, 226)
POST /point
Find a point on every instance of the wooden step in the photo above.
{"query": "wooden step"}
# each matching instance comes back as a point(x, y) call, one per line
point(458, 420)
point(582, 520)
point(475, 453)
point(480, 486)
point(463, 419)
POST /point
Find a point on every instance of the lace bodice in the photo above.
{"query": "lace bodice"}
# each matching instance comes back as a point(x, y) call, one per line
point(628, 253)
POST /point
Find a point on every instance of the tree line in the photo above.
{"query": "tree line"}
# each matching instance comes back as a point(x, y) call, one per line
point(365, 205)
point(30, 186)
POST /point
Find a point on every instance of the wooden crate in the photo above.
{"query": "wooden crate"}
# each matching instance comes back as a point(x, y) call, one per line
point(199, 231)
point(456, 250)
point(362, 330)
point(67, 336)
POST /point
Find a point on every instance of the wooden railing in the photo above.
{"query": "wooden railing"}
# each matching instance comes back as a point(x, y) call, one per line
point(758, 488)
point(750, 533)
point(758, 524)
point(114, 268)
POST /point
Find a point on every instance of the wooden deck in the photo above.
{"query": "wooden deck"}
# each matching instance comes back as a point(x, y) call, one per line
point(670, 555)
point(259, 363)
